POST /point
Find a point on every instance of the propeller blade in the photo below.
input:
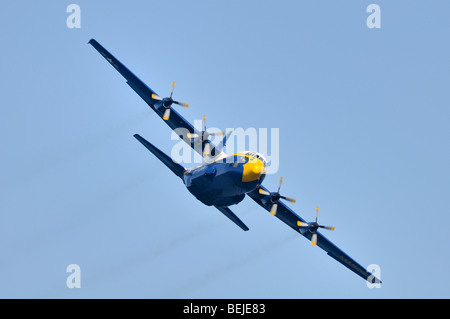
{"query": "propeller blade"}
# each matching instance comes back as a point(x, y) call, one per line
point(314, 239)
point(302, 224)
point(192, 135)
point(279, 185)
point(206, 134)
point(181, 103)
point(292, 200)
point(171, 91)
point(218, 149)
point(273, 210)
point(207, 149)
point(156, 97)
point(166, 114)
point(317, 213)
point(169, 100)
point(327, 227)
point(264, 192)
point(216, 134)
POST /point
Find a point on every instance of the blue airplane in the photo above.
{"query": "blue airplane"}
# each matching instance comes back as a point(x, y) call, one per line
point(222, 180)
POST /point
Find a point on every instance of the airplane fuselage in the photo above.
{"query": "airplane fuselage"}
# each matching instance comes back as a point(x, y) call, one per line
point(226, 181)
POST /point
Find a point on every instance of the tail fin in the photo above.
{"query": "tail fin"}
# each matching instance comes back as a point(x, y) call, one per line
point(177, 169)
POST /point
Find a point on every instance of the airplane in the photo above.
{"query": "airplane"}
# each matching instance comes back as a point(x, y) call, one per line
point(225, 180)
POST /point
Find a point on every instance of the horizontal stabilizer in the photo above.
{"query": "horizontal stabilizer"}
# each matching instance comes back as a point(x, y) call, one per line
point(227, 212)
point(176, 168)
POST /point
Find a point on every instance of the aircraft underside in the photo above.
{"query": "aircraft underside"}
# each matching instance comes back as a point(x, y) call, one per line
point(220, 184)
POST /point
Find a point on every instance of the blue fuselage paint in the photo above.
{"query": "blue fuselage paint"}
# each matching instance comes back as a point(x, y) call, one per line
point(221, 183)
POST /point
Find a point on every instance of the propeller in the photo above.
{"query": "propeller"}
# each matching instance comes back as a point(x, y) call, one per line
point(205, 137)
point(313, 227)
point(218, 149)
point(167, 102)
point(275, 197)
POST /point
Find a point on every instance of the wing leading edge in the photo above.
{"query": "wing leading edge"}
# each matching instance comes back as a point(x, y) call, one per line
point(289, 217)
point(176, 122)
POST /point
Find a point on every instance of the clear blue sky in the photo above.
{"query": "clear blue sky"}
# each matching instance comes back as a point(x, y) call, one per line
point(364, 134)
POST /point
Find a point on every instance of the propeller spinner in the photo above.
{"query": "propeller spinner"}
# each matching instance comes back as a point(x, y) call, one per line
point(275, 197)
point(167, 102)
point(313, 227)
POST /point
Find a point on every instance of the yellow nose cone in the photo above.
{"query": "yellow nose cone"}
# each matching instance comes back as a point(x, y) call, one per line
point(253, 170)
point(256, 169)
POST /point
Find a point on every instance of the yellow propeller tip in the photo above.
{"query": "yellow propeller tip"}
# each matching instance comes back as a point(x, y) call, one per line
point(165, 118)
point(313, 243)
point(187, 105)
point(293, 201)
point(173, 83)
point(332, 228)
point(273, 213)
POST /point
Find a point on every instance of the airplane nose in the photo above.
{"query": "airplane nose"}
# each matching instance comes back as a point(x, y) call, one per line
point(253, 170)
point(256, 169)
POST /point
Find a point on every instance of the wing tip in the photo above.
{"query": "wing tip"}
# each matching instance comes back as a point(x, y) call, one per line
point(232, 216)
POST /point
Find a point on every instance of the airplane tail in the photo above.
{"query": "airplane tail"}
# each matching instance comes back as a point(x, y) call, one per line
point(227, 212)
point(176, 168)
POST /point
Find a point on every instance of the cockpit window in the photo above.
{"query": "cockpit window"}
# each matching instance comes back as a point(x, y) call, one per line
point(238, 159)
point(242, 159)
point(257, 155)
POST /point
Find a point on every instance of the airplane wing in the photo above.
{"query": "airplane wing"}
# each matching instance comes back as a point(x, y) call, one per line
point(175, 121)
point(286, 215)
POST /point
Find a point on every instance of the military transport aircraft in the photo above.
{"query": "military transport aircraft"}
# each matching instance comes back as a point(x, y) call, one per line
point(224, 180)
